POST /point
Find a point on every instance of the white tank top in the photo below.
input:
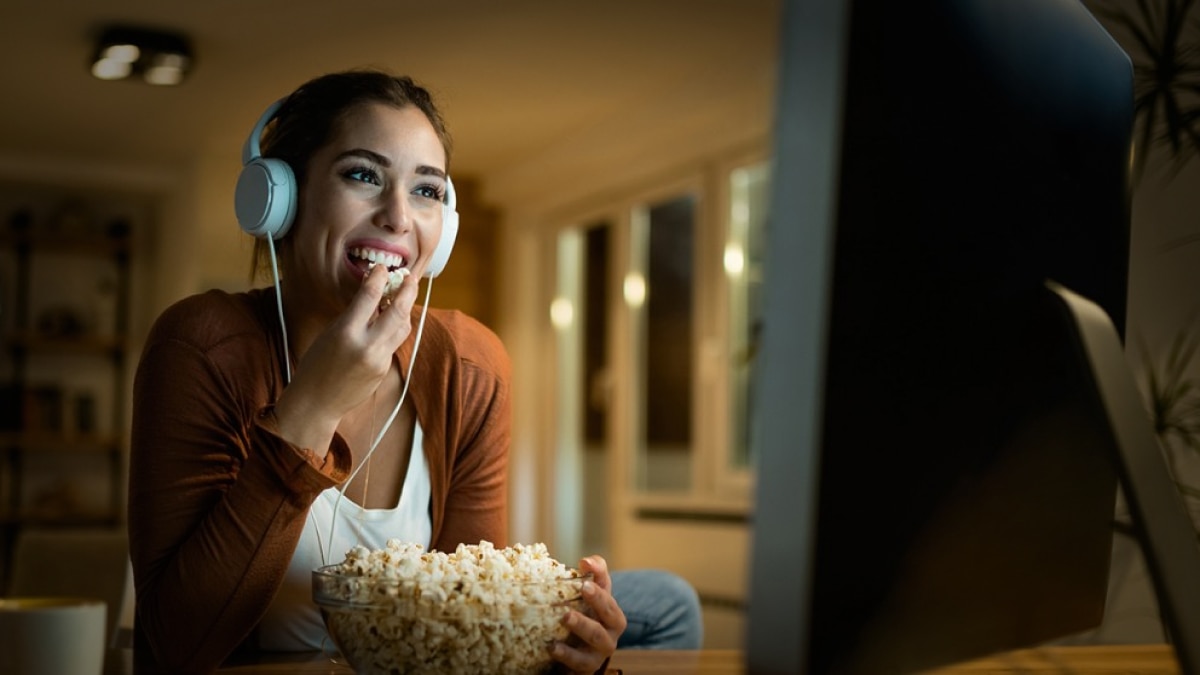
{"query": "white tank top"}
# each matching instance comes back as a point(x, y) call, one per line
point(293, 622)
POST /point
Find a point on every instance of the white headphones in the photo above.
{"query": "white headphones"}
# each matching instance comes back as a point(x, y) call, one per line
point(266, 195)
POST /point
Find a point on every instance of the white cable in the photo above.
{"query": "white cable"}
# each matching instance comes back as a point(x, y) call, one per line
point(287, 361)
point(396, 411)
point(287, 353)
point(287, 364)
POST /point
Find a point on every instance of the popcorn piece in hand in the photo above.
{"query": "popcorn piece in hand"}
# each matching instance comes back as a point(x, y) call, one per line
point(395, 278)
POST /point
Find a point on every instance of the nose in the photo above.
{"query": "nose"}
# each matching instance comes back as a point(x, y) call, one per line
point(394, 212)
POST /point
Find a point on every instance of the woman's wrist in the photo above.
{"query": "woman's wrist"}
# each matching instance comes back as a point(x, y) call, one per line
point(303, 428)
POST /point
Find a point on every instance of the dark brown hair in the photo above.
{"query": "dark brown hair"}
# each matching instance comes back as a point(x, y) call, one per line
point(307, 117)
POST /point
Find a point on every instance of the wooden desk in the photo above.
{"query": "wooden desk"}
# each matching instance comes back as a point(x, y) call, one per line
point(1107, 660)
point(1102, 660)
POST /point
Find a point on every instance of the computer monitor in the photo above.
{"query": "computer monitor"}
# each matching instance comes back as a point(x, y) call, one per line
point(945, 413)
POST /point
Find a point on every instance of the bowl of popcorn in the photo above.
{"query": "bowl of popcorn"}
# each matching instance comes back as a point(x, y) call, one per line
point(402, 610)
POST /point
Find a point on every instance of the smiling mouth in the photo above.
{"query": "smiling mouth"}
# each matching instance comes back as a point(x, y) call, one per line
point(364, 257)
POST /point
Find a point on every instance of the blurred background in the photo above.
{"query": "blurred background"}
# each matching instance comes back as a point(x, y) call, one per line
point(613, 164)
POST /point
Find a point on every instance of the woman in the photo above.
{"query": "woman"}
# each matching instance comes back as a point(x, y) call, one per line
point(255, 428)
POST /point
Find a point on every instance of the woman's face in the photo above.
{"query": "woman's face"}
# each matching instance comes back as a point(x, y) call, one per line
point(374, 191)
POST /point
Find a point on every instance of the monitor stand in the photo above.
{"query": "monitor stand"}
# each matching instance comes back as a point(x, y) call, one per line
point(1160, 518)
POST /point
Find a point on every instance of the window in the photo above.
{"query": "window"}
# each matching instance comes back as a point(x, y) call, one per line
point(656, 312)
point(660, 286)
point(742, 260)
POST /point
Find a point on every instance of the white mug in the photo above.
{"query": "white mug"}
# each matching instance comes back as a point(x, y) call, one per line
point(52, 636)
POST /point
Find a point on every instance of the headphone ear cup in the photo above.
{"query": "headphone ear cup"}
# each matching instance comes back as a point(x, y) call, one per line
point(265, 198)
point(441, 254)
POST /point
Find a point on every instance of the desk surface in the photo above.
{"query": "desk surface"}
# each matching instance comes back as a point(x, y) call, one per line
point(1105, 660)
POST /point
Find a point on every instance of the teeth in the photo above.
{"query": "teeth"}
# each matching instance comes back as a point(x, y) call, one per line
point(391, 260)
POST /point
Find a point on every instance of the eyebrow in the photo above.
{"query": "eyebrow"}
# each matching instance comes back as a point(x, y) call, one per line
point(423, 170)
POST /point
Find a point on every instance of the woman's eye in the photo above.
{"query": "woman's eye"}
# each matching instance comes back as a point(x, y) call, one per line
point(433, 192)
point(364, 175)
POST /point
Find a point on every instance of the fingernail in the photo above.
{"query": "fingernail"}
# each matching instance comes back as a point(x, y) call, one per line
point(588, 588)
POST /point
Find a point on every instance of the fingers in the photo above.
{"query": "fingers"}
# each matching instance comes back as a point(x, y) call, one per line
point(598, 567)
point(395, 314)
point(598, 594)
point(384, 315)
point(366, 300)
point(406, 295)
point(590, 646)
point(606, 614)
point(596, 635)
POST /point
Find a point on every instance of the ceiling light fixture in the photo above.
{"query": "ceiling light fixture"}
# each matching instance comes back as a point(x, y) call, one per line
point(156, 57)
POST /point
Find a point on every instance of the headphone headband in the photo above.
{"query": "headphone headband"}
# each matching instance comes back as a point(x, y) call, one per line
point(251, 149)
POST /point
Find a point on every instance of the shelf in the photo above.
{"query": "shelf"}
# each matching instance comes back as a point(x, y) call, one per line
point(67, 281)
point(88, 245)
point(82, 344)
point(47, 442)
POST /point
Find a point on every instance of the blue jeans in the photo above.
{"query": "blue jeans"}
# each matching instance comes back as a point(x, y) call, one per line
point(662, 610)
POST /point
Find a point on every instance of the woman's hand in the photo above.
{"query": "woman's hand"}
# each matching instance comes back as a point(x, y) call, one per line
point(594, 637)
point(346, 363)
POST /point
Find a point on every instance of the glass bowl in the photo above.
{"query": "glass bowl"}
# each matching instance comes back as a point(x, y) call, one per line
point(406, 627)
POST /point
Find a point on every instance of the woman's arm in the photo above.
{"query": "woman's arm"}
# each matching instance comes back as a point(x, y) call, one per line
point(216, 501)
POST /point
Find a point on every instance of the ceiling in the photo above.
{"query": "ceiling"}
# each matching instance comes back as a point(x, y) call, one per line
point(513, 76)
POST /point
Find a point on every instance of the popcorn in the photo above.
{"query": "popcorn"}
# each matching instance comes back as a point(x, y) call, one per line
point(396, 277)
point(406, 611)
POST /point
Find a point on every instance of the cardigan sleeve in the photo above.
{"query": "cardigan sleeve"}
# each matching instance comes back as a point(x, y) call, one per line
point(216, 499)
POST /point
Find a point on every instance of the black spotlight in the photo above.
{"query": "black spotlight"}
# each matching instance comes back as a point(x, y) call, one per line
point(154, 56)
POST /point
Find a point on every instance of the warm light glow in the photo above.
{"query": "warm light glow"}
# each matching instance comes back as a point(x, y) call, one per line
point(166, 69)
point(163, 75)
point(126, 53)
point(562, 313)
point(735, 259)
point(108, 69)
point(156, 57)
point(635, 290)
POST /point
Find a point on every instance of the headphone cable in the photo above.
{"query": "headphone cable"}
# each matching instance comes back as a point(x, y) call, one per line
point(287, 352)
point(287, 364)
point(387, 424)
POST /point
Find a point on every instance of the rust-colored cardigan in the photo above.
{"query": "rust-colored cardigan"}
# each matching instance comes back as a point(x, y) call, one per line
point(217, 501)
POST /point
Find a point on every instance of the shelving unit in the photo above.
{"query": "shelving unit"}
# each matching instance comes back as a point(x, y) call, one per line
point(64, 307)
